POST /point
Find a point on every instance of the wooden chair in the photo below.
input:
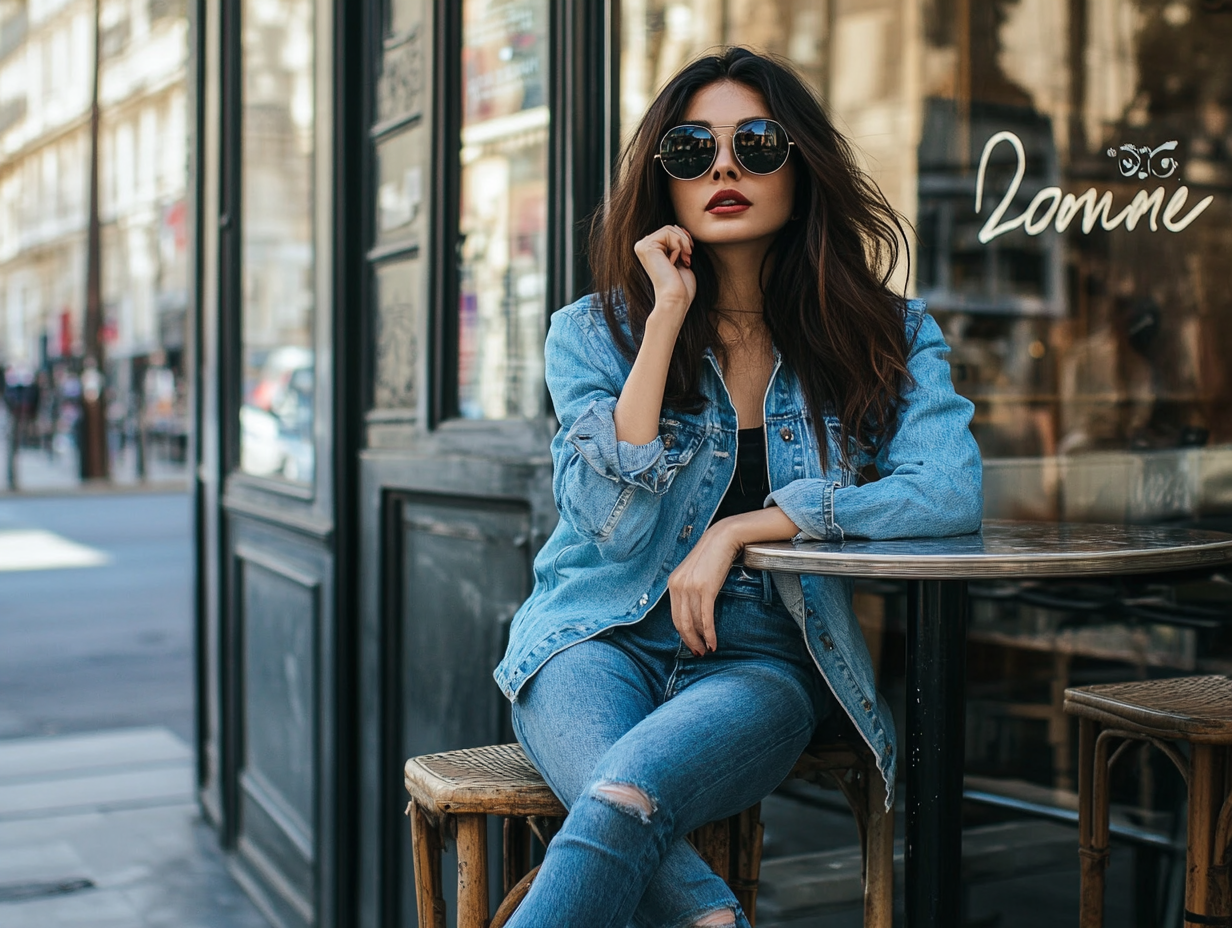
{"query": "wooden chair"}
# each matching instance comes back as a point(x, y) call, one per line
point(1197, 710)
point(453, 793)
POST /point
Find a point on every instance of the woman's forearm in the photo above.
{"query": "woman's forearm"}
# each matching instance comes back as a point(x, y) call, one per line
point(641, 399)
point(769, 524)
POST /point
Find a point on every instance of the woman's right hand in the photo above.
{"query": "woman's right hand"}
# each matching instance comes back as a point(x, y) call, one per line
point(667, 256)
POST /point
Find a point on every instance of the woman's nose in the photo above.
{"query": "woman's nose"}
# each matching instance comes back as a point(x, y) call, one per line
point(725, 164)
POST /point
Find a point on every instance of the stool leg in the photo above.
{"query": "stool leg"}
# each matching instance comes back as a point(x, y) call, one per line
point(1092, 850)
point(427, 843)
point(878, 856)
point(747, 860)
point(713, 844)
point(517, 852)
point(1206, 775)
point(472, 871)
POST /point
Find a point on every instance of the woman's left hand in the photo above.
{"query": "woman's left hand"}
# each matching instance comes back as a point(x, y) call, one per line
point(695, 584)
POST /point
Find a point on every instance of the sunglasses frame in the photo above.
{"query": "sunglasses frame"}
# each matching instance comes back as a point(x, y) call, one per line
point(692, 125)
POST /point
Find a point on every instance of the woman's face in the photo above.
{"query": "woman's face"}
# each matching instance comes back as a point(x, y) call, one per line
point(703, 205)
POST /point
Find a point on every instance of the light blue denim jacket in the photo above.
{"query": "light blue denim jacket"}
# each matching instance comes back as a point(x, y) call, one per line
point(630, 513)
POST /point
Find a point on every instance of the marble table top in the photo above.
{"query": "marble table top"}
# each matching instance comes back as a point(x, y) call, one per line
point(1004, 549)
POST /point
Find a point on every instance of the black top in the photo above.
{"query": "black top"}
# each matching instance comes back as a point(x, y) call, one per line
point(751, 483)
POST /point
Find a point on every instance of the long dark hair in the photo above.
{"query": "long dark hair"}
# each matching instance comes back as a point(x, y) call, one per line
point(828, 304)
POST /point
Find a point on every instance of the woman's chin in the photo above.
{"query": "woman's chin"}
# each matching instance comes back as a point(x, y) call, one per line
point(731, 230)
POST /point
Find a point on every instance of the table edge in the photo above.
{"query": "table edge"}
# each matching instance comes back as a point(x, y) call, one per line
point(983, 566)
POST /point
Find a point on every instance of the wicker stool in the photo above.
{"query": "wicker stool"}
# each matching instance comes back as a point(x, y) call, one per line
point(453, 793)
point(1197, 710)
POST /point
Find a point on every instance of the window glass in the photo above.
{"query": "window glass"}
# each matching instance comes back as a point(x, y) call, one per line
point(1083, 300)
point(278, 304)
point(502, 252)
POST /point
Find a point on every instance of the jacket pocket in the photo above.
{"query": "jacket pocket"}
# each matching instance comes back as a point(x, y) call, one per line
point(680, 441)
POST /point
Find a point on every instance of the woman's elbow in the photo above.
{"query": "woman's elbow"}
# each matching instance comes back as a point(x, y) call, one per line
point(964, 508)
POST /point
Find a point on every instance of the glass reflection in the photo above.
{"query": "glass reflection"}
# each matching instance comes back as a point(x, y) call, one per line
point(503, 215)
point(276, 419)
point(1083, 329)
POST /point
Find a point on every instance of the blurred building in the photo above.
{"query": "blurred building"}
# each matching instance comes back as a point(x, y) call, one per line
point(46, 82)
point(393, 196)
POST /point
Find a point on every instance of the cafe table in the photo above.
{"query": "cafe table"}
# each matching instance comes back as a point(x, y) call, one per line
point(937, 571)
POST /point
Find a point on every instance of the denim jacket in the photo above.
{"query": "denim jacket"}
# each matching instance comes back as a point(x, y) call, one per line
point(630, 513)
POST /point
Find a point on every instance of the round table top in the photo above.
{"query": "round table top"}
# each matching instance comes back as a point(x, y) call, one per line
point(1003, 549)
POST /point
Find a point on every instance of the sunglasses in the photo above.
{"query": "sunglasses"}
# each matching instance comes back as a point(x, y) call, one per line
point(760, 145)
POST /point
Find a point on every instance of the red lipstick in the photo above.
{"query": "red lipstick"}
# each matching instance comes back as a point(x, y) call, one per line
point(728, 202)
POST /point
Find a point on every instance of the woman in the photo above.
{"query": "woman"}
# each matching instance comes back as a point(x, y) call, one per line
point(742, 361)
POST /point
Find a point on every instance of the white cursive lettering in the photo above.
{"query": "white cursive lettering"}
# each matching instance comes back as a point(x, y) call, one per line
point(1051, 207)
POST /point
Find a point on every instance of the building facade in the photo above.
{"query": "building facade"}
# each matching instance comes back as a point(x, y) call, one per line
point(392, 199)
point(46, 90)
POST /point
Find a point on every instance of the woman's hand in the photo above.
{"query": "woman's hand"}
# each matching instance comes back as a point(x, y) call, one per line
point(695, 584)
point(667, 256)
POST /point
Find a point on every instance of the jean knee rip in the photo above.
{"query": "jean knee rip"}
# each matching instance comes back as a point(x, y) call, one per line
point(719, 918)
point(626, 798)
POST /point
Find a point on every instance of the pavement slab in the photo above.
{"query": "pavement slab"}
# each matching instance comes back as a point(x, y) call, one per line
point(103, 830)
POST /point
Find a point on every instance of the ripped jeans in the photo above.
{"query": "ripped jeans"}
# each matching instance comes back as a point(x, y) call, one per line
point(643, 742)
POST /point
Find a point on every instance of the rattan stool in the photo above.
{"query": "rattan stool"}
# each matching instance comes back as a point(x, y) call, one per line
point(1197, 710)
point(453, 793)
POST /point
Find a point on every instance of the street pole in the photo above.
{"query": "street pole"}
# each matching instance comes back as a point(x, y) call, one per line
point(93, 376)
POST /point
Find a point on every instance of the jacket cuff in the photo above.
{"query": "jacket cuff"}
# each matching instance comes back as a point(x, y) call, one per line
point(809, 503)
point(594, 436)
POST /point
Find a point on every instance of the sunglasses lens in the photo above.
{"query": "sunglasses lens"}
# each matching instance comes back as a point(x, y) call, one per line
point(687, 151)
point(761, 146)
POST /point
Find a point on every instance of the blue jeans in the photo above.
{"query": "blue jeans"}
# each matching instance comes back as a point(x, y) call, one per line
point(643, 742)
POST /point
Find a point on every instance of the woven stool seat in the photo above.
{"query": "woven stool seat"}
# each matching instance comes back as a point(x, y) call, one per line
point(493, 780)
point(1195, 709)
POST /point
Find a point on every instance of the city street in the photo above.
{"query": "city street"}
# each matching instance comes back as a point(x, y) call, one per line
point(104, 646)
point(99, 824)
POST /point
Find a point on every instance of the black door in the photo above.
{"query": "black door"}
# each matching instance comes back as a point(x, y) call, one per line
point(272, 479)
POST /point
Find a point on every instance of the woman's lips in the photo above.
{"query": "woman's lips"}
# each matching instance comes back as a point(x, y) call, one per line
point(727, 202)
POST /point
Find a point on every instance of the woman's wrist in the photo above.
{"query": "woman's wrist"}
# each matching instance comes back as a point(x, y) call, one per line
point(747, 528)
point(666, 318)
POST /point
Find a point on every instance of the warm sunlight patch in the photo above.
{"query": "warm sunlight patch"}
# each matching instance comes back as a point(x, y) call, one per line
point(34, 549)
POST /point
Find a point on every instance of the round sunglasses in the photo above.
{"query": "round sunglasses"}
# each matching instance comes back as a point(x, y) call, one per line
point(760, 145)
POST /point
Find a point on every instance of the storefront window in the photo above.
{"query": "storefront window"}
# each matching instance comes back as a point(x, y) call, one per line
point(1067, 171)
point(1086, 297)
point(276, 221)
point(503, 216)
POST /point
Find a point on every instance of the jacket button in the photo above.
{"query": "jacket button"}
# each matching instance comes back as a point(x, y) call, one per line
point(645, 599)
point(867, 705)
point(808, 611)
point(828, 642)
point(786, 433)
point(889, 749)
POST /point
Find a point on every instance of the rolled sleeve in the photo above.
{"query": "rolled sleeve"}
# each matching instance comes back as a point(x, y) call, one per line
point(593, 435)
point(810, 505)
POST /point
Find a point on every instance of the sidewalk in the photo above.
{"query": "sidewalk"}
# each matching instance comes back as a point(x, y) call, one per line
point(39, 472)
point(103, 831)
